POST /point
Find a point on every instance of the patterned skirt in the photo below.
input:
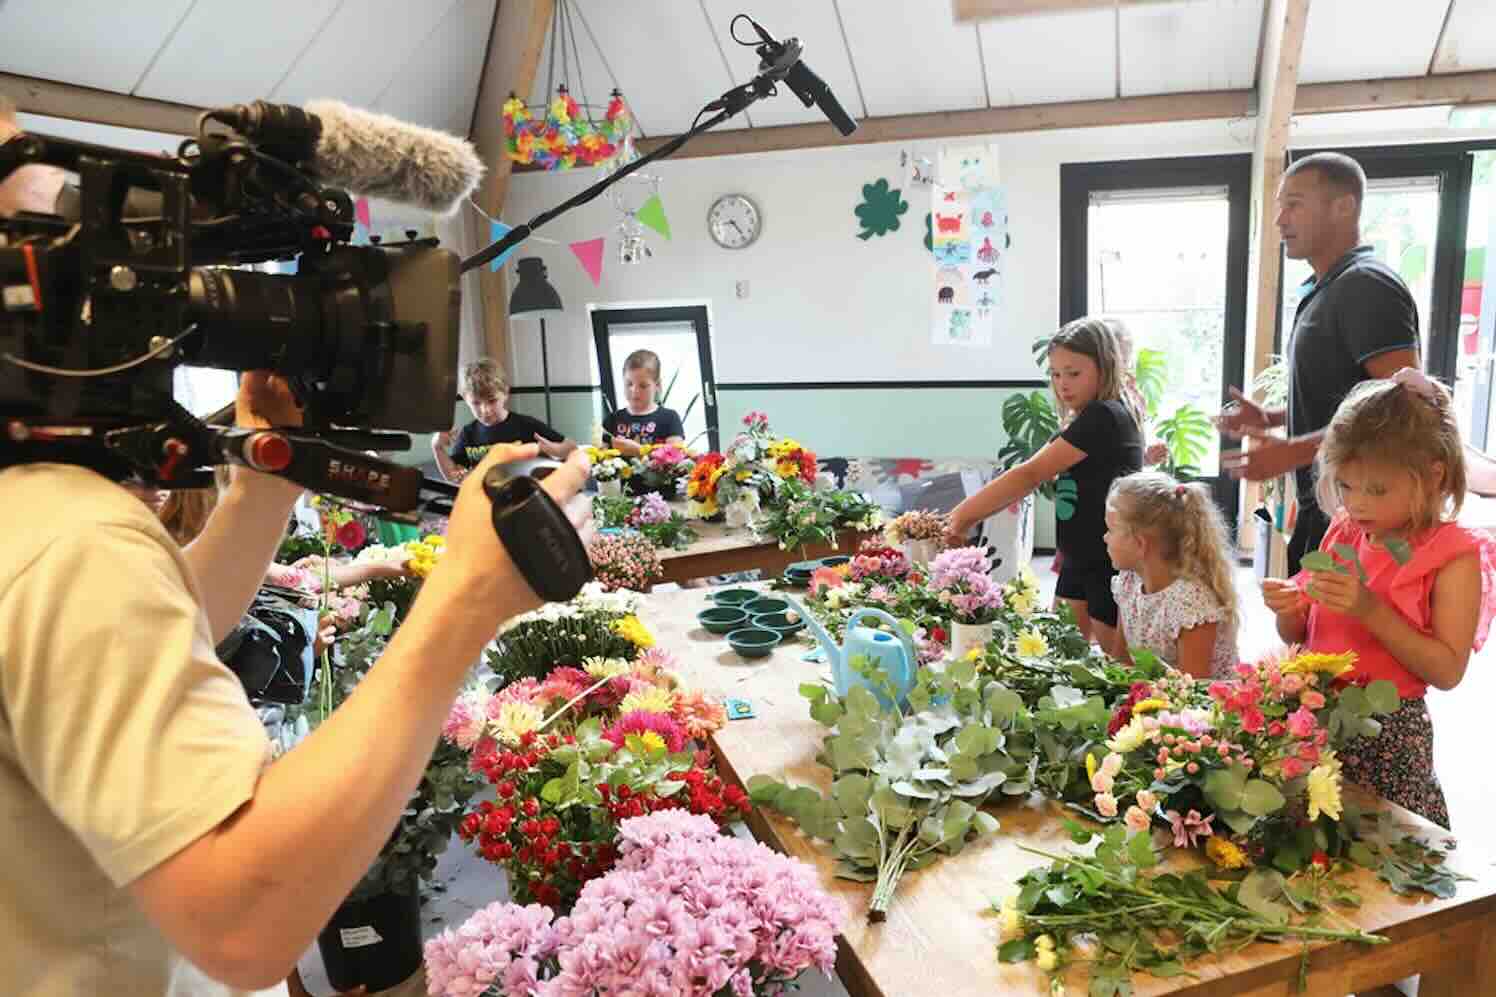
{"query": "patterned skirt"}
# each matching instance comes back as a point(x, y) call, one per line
point(1398, 764)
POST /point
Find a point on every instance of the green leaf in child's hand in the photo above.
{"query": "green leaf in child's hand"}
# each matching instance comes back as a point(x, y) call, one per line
point(1318, 560)
point(1015, 950)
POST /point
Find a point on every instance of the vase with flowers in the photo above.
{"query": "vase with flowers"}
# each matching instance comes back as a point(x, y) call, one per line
point(962, 582)
point(610, 469)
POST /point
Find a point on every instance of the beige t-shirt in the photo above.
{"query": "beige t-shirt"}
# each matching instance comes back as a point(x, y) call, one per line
point(122, 737)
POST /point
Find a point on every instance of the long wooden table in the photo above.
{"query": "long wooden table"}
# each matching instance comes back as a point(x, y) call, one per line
point(937, 939)
point(720, 550)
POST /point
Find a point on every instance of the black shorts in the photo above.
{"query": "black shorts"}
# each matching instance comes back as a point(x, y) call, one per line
point(1090, 583)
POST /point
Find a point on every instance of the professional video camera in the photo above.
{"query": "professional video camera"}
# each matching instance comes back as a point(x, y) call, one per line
point(142, 270)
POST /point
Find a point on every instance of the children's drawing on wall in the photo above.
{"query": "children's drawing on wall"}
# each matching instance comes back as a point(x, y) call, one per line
point(968, 246)
point(921, 169)
point(969, 167)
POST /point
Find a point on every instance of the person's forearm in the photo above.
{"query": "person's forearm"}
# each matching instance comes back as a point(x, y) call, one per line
point(356, 572)
point(446, 464)
point(1292, 627)
point(999, 493)
point(1429, 658)
point(230, 556)
point(1276, 417)
point(273, 874)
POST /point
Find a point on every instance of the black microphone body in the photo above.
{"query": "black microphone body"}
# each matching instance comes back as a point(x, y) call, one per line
point(782, 60)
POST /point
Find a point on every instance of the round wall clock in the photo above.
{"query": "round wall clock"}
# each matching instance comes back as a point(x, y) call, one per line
point(734, 221)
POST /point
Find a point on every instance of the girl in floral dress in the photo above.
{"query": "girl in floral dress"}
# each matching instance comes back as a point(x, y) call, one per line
point(1417, 596)
point(1174, 591)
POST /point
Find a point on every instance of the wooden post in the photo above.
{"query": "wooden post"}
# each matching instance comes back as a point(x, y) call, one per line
point(514, 46)
point(1277, 85)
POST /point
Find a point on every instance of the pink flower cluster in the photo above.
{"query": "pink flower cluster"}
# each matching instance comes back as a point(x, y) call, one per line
point(756, 420)
point(502, 947)
point(624, 561)
point(1298, 735)
point(961, 581)
point(650, 510)
point(877, 561)
point(642, 722)
point(685, 912)
point(667, 456)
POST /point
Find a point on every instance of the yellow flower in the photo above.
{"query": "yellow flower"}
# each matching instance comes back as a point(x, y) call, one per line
point(435, 541)
point(1031, 644)
point(652, 700)
point(1317, 662)
point(1225, 853)
point(1129, 738)
point(1090, 765)
point(1044, 943)
point(607, 667)
point(1023, 602)
point(743, 475)
point(515, 719)
point(1324, 787)
point(1046, 959)
point(636, 633)
point(975, 654)
point(1148, 705)
point(652, 742)
point(1010, 918)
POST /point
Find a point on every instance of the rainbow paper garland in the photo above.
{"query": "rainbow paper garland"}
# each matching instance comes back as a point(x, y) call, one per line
point(565, 137)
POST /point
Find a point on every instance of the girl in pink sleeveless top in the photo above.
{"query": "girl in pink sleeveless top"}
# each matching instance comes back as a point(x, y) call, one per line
point(1419, 594)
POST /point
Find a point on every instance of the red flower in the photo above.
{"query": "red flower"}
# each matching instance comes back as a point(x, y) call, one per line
point(1320, 860)
point(351, 535)
point(939, 635)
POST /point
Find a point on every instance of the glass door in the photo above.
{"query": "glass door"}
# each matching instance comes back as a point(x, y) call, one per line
point(1161, 245)
point(680, 336)
point(1476, 372)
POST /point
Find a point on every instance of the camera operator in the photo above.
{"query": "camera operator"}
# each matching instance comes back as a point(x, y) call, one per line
point(148, 843)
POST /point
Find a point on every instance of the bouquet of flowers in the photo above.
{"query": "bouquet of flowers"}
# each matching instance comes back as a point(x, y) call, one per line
point(692, 911)
point(1245, 767)
point(650, 514)
point(609, 465)
point(748, 475)
point(917, 524)
point(875, 562)
point(596, 624)
point(803, 516)
point(624, 560)
point(661, 468)
point(961, 580)
point(560, 798)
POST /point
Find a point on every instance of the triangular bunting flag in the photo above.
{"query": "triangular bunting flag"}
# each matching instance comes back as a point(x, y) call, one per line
point(497, 231)
point(589, 253)
point(653, 215)
point(361, 212)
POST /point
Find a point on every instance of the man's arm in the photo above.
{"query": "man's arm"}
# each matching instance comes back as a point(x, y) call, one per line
point(244, 900)
point(444, 462)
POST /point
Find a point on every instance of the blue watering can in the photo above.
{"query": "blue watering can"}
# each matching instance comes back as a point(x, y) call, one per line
point(893, 652)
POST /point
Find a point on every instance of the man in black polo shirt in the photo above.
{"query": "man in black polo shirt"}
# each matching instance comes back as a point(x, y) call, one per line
point(1356, 320)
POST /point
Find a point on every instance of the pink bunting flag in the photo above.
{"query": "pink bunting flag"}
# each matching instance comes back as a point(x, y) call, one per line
point(361, 212)
point(589, 253)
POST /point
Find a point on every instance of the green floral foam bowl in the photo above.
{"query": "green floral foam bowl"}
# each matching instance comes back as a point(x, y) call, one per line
point(722, 619)
point(768, 604)
point(734, 597)
point(835, 561)
point(753, 642)
point(783, 624)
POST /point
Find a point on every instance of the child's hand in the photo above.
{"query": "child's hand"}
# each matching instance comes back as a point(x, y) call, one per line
point(551, 448)
point(1342, 594)
point(626, 446)
point(442, 441)
point(957, 531)
point(1283, 596)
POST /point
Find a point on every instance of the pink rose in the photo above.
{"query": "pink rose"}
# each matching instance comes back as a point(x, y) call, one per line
point(1147, 800)
point(1292, 768)
point(1137, 820)
point(1252, 720)
point(1309, 753)
point(1112, 764)
point(1301, 722)
point(1106, 804)
point(1312, 700)
point(1101, 782)
point(1292, 684)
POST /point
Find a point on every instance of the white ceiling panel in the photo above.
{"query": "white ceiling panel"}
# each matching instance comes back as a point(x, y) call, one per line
point(1469, 38)
point(664, 54)
point(583, 71)
point(913, 58)
point(811, 21)
point(221, 56)
point(1369, 39)
point(437, 85)
point(355, 56)
point(93, 43)
point(1181, 47)
point(1043, 60)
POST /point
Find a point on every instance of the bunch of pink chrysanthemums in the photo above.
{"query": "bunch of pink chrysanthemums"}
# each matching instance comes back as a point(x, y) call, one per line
point(961, 579)
point(687, 911)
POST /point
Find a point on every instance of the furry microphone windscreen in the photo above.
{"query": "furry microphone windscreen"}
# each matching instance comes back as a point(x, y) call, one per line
point(375, 154)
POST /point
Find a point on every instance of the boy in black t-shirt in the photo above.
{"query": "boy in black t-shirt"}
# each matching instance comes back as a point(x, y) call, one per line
point(486, 392)
point(641, 420)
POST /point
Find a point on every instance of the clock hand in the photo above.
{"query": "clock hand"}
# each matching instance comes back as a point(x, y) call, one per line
point(734, 223)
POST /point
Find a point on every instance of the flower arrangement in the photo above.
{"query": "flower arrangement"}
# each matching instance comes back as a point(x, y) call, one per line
point(962, 580)
point(559, 799)
point(565, 137)
point(661, 467)
point(791, 460)
point(624, 560)
point(649, 514)
point(583, 629)
point(916, 524)
point(692, 911)
point(878, 563)
point(609, 464)
point(803, 516)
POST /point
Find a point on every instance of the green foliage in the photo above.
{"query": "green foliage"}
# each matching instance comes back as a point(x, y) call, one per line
point(1029, 422)
point(880, 209)
point(1187, 434)
point(1152, 373)
point(533, 647)
point(802, 515)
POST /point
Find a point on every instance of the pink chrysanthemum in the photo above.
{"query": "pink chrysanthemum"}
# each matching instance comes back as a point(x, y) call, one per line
point(642, 721)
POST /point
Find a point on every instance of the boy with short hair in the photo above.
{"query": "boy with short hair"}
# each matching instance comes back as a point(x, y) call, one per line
point(486, 391)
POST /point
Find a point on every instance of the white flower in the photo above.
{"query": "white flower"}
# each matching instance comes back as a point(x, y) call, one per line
point(743, 510)
point(1129, 738)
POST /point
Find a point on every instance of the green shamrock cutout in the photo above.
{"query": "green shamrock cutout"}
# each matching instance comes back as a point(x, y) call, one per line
point(1066, 492)
point(880, 209)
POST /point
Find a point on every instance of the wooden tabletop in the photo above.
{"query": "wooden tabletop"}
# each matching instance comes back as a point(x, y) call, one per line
point(720, 549)
point(938, 938)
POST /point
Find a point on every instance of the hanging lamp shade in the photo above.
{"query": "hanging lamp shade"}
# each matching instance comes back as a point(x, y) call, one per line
point(534, 296)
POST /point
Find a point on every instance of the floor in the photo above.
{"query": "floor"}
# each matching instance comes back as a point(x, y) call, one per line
point(468, 883)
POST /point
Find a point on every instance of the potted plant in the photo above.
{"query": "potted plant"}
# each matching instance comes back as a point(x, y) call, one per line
point(962, 581)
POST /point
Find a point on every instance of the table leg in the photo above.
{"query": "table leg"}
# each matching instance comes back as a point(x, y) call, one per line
point(1469, 972)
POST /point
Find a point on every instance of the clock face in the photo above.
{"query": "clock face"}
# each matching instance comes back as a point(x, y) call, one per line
point(734, 221)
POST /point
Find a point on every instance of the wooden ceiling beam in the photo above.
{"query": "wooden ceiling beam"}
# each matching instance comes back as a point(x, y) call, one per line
point(105, 107)
point(1317, 98)
point(990, 10)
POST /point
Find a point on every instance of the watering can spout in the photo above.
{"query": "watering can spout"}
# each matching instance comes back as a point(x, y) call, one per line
point(828, 647)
